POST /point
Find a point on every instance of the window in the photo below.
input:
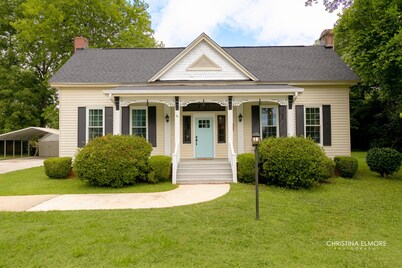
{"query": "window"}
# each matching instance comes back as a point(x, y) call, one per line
point(204, 123)
point(95, 123)
point(269, 122)
point(187, 129)
point(313, 124)
point(139, 122)
point(221, 129)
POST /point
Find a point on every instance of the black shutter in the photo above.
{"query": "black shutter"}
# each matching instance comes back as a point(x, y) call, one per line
point(326, 121)
point(108, 120)
point(152, 125)
point(82, 125)
point(255, 119)
point(299, 120)
point(125, 120)
point(283, 126)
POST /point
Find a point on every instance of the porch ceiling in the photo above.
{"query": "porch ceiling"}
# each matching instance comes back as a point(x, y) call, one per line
point(199, 90)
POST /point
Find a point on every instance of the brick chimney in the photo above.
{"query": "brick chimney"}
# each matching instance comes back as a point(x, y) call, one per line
point(80, 43)
point(327, 38)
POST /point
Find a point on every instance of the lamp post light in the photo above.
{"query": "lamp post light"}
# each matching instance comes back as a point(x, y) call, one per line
point(255, 140)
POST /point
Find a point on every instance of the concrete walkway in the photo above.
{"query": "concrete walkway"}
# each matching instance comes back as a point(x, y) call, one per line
point(183, 195)
point(14, 164)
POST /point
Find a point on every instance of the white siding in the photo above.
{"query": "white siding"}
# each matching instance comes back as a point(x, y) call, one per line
point(72, 98)
point(337, 97)
point(179, 70)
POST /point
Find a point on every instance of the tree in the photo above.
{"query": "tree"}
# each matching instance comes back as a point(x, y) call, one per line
point(333, 5)
point(368, 37)
point(36, 37)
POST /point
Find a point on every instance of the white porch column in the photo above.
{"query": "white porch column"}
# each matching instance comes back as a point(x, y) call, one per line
point(177, 126)
point(240, 130)
point(117, 117)
point(230, 124)
point(291, 119)
point(168, 143)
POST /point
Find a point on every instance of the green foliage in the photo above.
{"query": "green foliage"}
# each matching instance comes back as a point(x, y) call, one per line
point(113, 161)
point(246, 167)
point(160, 168)
point(36, 38)
point(384, 161)
point(329, 168)
point(346, 166)
point(57, 167)
point(368, 36)
point(293, 162)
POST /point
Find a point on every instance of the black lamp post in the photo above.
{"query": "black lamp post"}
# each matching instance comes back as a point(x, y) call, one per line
point(255, 141)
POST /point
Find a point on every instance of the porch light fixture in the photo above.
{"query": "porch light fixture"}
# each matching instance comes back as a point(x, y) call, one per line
point(167, 118)
point(240, 117)
point(255, 140)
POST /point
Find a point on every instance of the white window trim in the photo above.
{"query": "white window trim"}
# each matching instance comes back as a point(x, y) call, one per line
point(277, 117)
point(87, 120)
point(305, 121)
point(146, 119)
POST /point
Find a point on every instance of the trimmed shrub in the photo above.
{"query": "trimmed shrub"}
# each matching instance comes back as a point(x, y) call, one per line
point(346, 166)
point(113, 161)
point(57, 167)
point(159, 168)
point(384, 161)
point(246, 168)
point(329, 168)
point(293, 162)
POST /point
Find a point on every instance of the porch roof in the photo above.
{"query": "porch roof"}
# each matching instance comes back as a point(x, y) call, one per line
point(202, 90)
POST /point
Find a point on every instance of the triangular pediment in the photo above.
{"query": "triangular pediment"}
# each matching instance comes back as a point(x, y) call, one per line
point(204, 64)
point(203, 59)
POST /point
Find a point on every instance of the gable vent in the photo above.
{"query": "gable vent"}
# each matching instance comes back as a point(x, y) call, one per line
point(204, 63)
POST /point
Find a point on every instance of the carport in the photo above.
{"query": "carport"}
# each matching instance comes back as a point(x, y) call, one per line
point(19, 138)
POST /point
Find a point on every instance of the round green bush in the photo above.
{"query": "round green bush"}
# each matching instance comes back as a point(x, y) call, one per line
point(113, 161)
point(293, 162)
point(346, 166)
point(384, 161)
point(57, 167)
point(246, 168)
point(160, 168)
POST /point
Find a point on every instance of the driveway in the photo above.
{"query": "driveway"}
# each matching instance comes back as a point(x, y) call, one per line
point(14, 164)
point(183, 195)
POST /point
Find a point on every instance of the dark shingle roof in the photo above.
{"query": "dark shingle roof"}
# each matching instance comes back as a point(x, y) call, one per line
point(268, 64)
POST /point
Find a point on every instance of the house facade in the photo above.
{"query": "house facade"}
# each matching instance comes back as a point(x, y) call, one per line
point(204, 101)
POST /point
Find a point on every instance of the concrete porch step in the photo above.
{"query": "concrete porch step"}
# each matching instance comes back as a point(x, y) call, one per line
point(194, 171)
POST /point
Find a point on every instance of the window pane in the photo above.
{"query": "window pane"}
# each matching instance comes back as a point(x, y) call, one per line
point(313, 128)
point(139, 131)
point(95, 132)
point(139, 122)
point(95, 118)
point(221, 129)
point(95, 123)
point(313, 132)
point(139, 118)
point(268, 122)
point(313, 116)
point(187, 129)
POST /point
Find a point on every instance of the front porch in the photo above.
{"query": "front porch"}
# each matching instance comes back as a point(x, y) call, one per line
point(198, 122)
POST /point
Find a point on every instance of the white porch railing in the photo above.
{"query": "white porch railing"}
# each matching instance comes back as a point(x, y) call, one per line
point(233, 161)
point(175, 162)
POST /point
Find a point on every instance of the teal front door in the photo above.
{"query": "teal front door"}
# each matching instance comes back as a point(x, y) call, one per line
point(204, 137)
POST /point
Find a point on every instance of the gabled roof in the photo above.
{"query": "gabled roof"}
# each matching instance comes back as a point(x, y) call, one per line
point(203, 38)
point(267, 64)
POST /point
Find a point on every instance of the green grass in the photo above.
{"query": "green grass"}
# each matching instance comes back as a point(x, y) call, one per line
point(293, 231)
point(33, 181)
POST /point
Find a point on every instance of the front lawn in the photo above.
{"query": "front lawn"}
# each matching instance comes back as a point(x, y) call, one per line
point(297, 229)
point(33, 181)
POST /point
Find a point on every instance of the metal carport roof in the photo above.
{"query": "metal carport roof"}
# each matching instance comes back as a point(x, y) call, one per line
point(27, 134)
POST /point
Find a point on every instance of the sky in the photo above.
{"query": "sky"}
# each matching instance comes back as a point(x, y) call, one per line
point(239, 22)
